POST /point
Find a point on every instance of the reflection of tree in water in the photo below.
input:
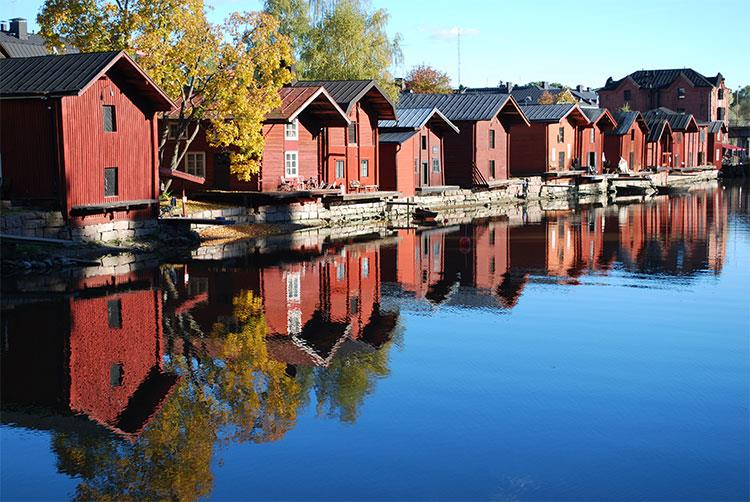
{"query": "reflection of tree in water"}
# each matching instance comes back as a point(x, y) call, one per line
point(230, 391)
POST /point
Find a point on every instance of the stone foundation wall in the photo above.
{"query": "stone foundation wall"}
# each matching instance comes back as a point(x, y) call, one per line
point(52, 225)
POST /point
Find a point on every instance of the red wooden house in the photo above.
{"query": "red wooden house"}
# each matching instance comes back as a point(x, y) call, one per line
point(659, 143)
point(685, 136)
point(716, 132)
point(350, 156)
point(78, 133)
point(294, 134)
point(479, 154)
point(627, 141)
point(552, 143)
point(412, 152)
point(592, 138)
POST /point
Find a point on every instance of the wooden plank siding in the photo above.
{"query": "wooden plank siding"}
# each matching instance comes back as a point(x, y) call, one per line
point(536, 149)
point(88, 150)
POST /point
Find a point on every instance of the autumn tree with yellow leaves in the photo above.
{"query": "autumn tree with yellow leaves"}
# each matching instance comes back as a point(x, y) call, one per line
point(225, 77)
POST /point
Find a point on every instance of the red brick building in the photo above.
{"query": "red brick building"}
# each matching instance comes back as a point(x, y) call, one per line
point(684, 90)
point(479, 155)
point(78, 133)
point(552, 143)
point(412, 150)
point(294, 134)
point(627, 141)
point(592, 138)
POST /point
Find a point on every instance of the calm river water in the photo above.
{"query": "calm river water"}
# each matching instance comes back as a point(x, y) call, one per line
point(597, 354)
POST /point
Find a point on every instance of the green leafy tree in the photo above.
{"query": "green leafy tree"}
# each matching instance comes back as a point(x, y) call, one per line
point(739, 109)
point(350, 42)
point(425, 79)
point(213, 72)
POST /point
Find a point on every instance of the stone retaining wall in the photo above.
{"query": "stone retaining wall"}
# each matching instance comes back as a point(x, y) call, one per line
point(51, 224)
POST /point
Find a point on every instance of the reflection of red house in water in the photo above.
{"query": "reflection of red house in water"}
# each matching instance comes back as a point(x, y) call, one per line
point(111, 371)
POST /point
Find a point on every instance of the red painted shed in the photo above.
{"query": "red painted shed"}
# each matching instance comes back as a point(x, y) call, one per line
point(479, 154)
point(685, 135)
point(293, 152)
point(78, 133)
point(412, 150)
point(552, 143)
point(592, 138)
point(627, 141)
point(659, 143)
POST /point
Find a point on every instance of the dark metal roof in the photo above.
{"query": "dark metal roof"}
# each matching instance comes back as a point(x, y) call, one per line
point(530, 94)
point(716, 126)
point(656, 126)
point(71, 74)
point(348, 92)
point(677, 121)
point(550, 113)
point(658, 79)
point(458, 107)
point(625, 122)
point(593, 114)
point(315, 100)
point(395, 136)
point(34, 45)
point(415, 118)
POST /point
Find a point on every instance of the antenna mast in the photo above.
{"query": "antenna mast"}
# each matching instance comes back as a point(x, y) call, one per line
point(458, 34)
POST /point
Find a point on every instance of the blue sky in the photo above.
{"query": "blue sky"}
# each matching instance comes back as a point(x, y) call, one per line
point(575, 42)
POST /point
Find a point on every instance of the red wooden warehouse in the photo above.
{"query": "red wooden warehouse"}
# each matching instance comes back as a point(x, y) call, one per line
point(78, 133)
point(627, 141)
point(592, 138)
point(659, 143)
point(412, 152)
point(350, 157)
point(552, 143)
point(685, 136)
point(479, 154)
point(293, 153)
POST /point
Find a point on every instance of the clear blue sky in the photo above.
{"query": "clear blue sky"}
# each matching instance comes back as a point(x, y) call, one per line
point(580, 41)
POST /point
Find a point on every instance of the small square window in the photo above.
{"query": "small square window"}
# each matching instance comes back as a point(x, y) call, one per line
point(291, 169)
point(365, 168)
point(173, 128)
point(561, 135)
point(626, 95)
point(353, 133)
point(720, 94)
point(435, 165)
point(114, 313)
point(110, 182)
point(291, 130)
point(116, 375)
point(681, 93)
point(109, 118)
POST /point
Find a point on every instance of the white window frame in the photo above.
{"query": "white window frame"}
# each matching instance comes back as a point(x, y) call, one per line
point(192, 166)
point(336, 164)
point(294, 321)
point(291, 164)
point(291, 130)
point(293, 287)
point(365, 267)
point(364, 168)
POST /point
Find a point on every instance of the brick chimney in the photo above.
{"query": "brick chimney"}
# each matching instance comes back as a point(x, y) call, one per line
point(545, 85)
point(18, 28)
point(509, 86)
point(3, 26)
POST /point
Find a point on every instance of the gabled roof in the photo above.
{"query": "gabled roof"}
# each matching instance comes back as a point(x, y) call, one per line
point(678, 121)
point(714, 126)
point(415, 119)
point(530, 94)
point(658, 79)
point(657, 126)
point(465, 107)
point(625, 121)
point(554, 113)
point(395, 137)
point(14, 47)
point(295, 100)
point(72, 74)
point(596, 115)
point(348, 92)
